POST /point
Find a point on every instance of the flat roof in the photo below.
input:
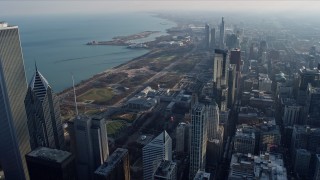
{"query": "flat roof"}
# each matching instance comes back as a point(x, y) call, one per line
point(49, 154)
point(111, 162)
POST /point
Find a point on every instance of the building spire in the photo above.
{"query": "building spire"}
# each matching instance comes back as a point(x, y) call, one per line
point(35, 64)
point(75, 97)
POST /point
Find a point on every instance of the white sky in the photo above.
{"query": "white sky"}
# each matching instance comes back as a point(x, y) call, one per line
point(23, 7)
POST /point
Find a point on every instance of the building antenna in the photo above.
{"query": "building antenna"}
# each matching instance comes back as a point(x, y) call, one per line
point(75, 96)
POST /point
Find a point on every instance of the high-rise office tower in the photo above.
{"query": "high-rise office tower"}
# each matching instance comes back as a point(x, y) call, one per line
point(116, 167)
point(54, 164)
point(182, 137)
point(221, 64)
point(302, 162)
point(235, 58)
point(313, 105)
point(160, 148)
point(198, 144)
point(43, 112)
point(14, 135)
point(207, 36)
point(90, 144)
point(222, 31)
point(213, 39)
point(213, 120)
point(317, 170)
point(231, 85)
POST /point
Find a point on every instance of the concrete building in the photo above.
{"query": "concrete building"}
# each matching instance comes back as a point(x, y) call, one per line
point(302, 162)
point(43, 112)
point(244, 140)
point(167, 170)
point(265, 83)
point(213, 38)
point(269, 134)
point(231, 85)
point(116, 167)
point(291, 112)
point(14, 138)
point(198, 144)
point(182, 138)
point(201, 175)
point(307, 76)
point(317, 170)
point(213, 118)
point(266, 166)
point(89, 142)
point(214, 153)
point(160, 148)
point(221, 65)
point(45, 162)
point(304, 137)
point(313, 105)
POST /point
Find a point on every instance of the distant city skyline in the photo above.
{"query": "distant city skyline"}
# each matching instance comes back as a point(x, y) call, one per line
point(12, 8)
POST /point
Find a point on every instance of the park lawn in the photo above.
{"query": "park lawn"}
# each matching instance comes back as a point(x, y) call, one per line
point(114, 126)
point(97, 95)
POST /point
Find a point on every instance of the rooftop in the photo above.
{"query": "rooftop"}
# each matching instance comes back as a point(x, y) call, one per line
point(49, 154)
point(201, 175)
point(165, 169)
point(265, 166)
point(111, 162)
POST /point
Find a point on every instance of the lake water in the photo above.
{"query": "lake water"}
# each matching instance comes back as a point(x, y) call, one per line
point(57, 43)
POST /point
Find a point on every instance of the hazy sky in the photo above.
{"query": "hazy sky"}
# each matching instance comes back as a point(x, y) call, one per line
point(86, 6)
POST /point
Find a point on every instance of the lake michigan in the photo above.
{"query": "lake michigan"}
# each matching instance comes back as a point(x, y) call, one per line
point(57, 43)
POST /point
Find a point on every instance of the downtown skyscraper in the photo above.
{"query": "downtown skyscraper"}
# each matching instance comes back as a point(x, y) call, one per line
point(198, 144)
point(89, 142)
point(160, 148)
point(14, 136)
point(43, 112)
point(222, 34)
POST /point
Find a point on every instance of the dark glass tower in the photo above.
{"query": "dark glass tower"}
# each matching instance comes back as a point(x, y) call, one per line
point(14, 136)
point(43, 112)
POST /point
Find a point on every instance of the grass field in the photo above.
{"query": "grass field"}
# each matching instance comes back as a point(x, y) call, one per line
point(114, 127)
point(97, 95)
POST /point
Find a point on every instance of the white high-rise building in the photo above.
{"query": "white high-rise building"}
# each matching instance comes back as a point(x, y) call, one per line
point(89, 142)
point(160, 148)
point(14, 135)
point(43, 112)
point(198, 144)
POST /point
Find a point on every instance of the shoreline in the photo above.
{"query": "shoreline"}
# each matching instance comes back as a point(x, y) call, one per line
point(105, 72)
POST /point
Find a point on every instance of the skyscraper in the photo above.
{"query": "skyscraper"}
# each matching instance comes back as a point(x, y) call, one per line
point(213, 120)
point(43, 112)
point(222, 30)
point(213, 39)
point(231, 85)
point(198, 144)
point(89, 143)
point(160, 148)
point(220, 77)
point(182, 137)
point(207, 36)
point(14, 136)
